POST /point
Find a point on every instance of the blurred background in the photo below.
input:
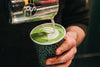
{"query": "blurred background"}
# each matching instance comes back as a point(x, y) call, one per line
point(16, 47)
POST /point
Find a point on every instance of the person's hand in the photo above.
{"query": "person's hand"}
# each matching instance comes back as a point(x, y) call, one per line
point(65, 53)
point(68, 47)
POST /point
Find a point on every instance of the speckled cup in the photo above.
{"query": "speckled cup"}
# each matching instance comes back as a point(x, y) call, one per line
point(46, 50)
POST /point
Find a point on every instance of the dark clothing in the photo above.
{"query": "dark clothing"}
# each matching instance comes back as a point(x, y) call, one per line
point(89, 51)
point(91, 43)
point(86, 62)
point(73, 12)
point(92, 38)
point(16, 48)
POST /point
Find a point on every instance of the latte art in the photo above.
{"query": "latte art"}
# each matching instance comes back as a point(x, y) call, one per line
point(51, 33)
point(44, 34)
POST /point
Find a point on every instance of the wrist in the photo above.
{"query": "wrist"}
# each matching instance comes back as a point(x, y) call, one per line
point(77, 33)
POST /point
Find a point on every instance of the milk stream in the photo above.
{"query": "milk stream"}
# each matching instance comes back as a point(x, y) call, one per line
point(53, 22)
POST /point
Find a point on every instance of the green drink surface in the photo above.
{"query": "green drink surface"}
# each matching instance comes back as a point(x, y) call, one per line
point(51, 36)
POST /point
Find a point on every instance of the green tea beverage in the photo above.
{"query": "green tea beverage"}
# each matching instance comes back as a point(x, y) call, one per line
point(46, 40)
point(45, 35)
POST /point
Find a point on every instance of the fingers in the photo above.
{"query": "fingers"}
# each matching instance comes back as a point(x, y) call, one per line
point(65, 52)
point(63, 58)
point(66, 45)
point(66, 64)
point(62, 65)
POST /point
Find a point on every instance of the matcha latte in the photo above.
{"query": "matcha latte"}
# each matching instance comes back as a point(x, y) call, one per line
point(45, 34)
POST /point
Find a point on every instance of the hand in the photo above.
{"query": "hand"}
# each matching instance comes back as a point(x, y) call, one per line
point(68, 48)
point(65, 53)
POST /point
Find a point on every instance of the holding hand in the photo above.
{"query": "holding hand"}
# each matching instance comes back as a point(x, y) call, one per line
point(65, 53)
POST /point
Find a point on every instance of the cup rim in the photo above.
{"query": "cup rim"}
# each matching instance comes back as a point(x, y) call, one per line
point(47, 43)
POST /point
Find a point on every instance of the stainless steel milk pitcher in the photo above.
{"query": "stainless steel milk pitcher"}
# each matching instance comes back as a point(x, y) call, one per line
point(31, 10)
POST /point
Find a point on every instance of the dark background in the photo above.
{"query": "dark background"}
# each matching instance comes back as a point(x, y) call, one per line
point(17, 50)
point(16, 47)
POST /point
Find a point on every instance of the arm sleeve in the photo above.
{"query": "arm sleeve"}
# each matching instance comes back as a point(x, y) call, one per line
point(73, 12)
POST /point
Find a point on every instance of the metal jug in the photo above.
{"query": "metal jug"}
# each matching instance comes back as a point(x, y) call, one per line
point(31, 10)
